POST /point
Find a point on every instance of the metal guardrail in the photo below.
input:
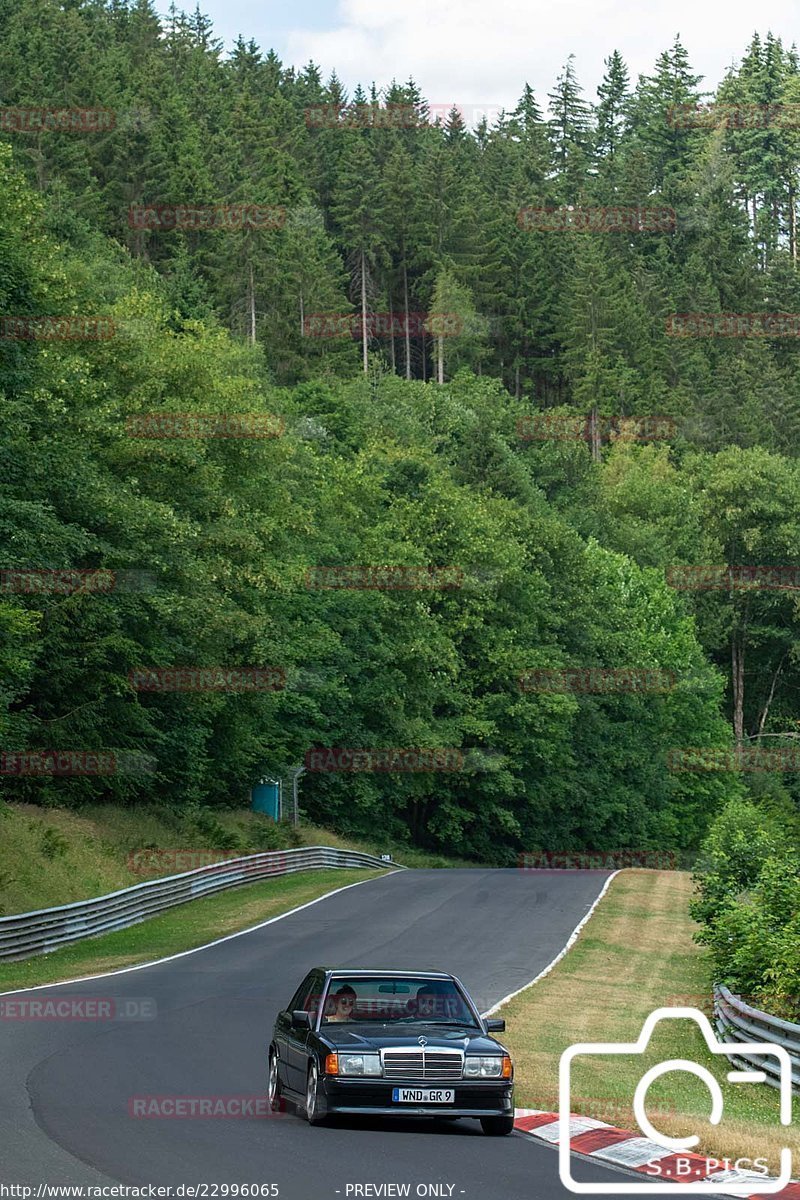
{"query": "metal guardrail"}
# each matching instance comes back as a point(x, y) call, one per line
point(738, 1022)
point(26, 934)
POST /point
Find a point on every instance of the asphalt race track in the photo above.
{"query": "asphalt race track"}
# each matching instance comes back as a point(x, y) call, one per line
point(65, 1086)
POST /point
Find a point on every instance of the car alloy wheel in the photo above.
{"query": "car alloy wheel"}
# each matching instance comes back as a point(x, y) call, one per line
point(312, 1096)
point(274, 1083)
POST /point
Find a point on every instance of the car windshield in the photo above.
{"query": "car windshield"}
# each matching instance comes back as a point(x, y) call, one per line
point(395, 1000)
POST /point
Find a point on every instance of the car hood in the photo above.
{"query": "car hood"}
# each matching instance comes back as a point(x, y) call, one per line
point(368, 1037)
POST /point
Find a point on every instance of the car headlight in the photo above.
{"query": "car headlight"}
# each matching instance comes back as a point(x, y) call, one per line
point(480, 1066)
point(359, 1064)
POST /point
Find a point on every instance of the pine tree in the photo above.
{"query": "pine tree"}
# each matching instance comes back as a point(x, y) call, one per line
point(399, 201)
point(455, 131)
point(527, 127)
point(447, 233)
point(611, 115)
point(766, 149)
point(570, 131)
point(312, 281)
point(666, 142)
point(360, 221)
point(608, 350)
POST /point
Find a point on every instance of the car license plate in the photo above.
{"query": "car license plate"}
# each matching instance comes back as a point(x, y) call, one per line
point(423, 1095)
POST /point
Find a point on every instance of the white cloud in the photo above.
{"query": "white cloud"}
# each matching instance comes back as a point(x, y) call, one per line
point(481, 52)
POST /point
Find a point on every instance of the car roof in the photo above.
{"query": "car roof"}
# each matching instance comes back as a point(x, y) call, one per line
point(343, 973)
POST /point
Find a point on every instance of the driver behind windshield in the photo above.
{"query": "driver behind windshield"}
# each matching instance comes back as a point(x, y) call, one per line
point(340, 1006)
point(430, 1003)
point(433, 1003)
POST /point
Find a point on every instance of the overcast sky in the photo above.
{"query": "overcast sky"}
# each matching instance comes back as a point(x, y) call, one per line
point(480, 52)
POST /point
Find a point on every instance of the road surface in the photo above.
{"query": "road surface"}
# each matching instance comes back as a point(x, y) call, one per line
point(66, 1086)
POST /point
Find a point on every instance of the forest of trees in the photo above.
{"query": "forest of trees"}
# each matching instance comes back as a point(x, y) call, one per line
point(397, 449)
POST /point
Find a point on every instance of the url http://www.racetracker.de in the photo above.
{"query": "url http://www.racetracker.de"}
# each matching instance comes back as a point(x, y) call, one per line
point(146, 1191)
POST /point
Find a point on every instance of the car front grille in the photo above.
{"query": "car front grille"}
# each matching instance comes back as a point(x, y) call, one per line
point(423, 1064)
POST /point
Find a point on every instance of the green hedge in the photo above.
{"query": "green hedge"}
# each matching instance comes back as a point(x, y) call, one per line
point(748, 904)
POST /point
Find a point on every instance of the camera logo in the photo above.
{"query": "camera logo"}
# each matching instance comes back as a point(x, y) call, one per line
point(656, 1145)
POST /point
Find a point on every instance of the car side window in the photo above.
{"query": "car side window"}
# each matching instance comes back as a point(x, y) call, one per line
point(302, 994)
point(311, 1002)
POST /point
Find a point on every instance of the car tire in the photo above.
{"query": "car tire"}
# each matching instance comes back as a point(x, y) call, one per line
point(312, 1096)
point(275, 1096)
point(498, 1126)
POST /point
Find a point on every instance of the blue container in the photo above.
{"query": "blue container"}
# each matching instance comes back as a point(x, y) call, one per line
point(266, 798)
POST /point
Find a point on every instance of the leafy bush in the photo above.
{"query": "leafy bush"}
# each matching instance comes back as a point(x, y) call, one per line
point(748, 903)
point(783, 993)
point(731, 857)
point(215, 835)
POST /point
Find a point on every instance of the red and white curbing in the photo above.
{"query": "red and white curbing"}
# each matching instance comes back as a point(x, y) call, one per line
point(605, 1142)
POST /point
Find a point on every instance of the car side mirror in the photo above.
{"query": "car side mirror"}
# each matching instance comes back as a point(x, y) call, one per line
point(301, 1019)
point(498, 1026)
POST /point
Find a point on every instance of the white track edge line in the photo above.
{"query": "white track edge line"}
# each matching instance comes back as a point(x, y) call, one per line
point(196, 949)
point(572, 939)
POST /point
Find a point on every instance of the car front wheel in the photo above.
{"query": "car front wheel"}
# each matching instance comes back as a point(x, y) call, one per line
point(275, 1101)
point(312, 1096)
point(498, 1126)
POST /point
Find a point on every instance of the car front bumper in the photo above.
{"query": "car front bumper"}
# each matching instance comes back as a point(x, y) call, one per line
point(374, 1097)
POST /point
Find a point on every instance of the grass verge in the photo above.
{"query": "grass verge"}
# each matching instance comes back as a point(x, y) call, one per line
point(181, 928)
point(51, 856)
point(636, 954)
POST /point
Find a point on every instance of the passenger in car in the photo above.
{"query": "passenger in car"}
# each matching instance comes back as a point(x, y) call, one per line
point(340, 1006)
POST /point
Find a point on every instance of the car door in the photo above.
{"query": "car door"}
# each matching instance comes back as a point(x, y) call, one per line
point(285, 1033)
point(297, 1036)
